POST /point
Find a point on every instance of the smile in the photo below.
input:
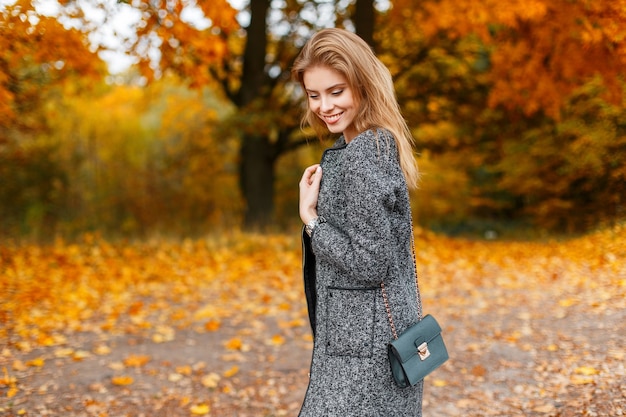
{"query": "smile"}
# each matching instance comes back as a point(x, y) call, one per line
point(333, 118)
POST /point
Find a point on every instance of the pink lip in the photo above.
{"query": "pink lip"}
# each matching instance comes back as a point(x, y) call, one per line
point(334, 119)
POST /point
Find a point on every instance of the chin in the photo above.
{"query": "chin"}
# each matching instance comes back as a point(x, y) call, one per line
point(335, 129)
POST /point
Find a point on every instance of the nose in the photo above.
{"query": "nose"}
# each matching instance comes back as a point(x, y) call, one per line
point(326, 104)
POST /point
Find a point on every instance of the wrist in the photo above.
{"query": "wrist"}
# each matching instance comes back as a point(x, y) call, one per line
point(306, 217)
point(312, 224)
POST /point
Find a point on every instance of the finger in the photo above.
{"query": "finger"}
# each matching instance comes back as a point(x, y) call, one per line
point(317, 176)
point(309, 173)
point(312, 170)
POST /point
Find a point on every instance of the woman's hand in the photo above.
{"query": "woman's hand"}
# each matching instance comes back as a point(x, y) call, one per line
point(309, 191)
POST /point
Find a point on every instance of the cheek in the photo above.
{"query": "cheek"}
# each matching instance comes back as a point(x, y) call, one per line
point(352, 99)
point(311, 104)
point(346, 102)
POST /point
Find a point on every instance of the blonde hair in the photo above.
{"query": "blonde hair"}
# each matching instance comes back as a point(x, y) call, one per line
point(372, 86)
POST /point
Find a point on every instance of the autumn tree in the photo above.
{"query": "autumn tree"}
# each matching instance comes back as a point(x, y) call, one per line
point(515, 116)
point(38, 54)
point(39, 60)
point(491, 88)
point(145, 160)
point(540, 50)
point(249, 63)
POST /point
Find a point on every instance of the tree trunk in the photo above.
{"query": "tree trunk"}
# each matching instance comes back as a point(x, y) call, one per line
point(258, 155)
point(256, 178)
point(256, 165)
point(364, 20)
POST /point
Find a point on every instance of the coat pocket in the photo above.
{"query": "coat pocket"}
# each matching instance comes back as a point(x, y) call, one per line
point(350, 321)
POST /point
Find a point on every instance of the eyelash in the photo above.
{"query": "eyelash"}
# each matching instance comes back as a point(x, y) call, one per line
point(334, 93)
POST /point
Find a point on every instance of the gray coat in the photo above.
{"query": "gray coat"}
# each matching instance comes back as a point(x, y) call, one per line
point(366, 238)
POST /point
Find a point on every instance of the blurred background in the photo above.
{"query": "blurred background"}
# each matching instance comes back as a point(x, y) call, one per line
point(178, 118)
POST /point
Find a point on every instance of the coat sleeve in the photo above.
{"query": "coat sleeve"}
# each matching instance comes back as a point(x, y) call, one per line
point(363, 248)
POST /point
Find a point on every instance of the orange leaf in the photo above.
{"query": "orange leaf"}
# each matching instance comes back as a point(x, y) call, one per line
point(11, 392)
point(136, 360)
point(234, 344)
point(122, 380)
point(212, 325)
point(479, 370)
point(232, 371)
point(277, 340)
point(37, 362)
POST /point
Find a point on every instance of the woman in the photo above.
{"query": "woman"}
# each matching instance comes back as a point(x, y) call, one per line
point(357, 216)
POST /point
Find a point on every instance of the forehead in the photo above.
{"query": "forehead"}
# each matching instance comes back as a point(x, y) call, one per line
point(321, 78)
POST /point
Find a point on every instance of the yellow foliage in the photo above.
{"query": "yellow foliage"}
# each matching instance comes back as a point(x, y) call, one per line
point(587, 370)
point(38, 54)
point(61, 290)
point(65, 288)
point(13, 390)
point(231, 372)
point(200, 409)
point(211, 380)
point(541, 50)
point(37, 362)
point(234, 344)
point(122, 380)
point(277, 340)
point(137, 360)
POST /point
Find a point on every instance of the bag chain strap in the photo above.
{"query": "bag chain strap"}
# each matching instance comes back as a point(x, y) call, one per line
point(417, 291)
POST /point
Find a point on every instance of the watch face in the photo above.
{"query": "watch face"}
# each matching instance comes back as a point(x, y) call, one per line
point(310, 226)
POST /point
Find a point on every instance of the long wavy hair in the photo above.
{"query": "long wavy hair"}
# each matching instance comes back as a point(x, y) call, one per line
point(371, 84)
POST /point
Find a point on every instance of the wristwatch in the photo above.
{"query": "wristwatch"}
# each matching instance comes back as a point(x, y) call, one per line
point(312, 224)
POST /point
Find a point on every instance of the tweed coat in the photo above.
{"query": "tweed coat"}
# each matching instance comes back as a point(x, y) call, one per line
point(366, 238)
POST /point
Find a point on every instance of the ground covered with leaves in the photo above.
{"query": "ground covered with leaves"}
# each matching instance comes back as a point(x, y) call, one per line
point(218, 327)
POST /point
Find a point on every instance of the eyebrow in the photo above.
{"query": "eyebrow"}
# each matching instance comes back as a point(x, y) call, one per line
point(332, 87)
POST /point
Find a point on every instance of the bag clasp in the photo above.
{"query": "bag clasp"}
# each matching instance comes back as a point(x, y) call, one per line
point(423, 351)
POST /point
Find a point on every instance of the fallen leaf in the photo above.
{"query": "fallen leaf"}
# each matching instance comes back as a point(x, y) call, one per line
point(230, 372)
point(277, 340)
point(439, 383)
point(581, 380)
point(174, 377)
point(37, 362)
point(234, 344)
point(212, 325)
point(102, 350)
point(122, 380)
point(12, 392)
point(137, 360)
point(587, 370)
point(211, 380)
point(544, 409)
point(19, 365)
point(200, 409)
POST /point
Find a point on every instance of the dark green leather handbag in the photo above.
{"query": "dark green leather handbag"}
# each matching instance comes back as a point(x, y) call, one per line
point(417, 352)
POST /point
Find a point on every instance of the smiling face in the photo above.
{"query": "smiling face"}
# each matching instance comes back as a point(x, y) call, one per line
point(331, 99)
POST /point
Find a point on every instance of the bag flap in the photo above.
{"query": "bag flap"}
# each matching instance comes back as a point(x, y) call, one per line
point(425, 330)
